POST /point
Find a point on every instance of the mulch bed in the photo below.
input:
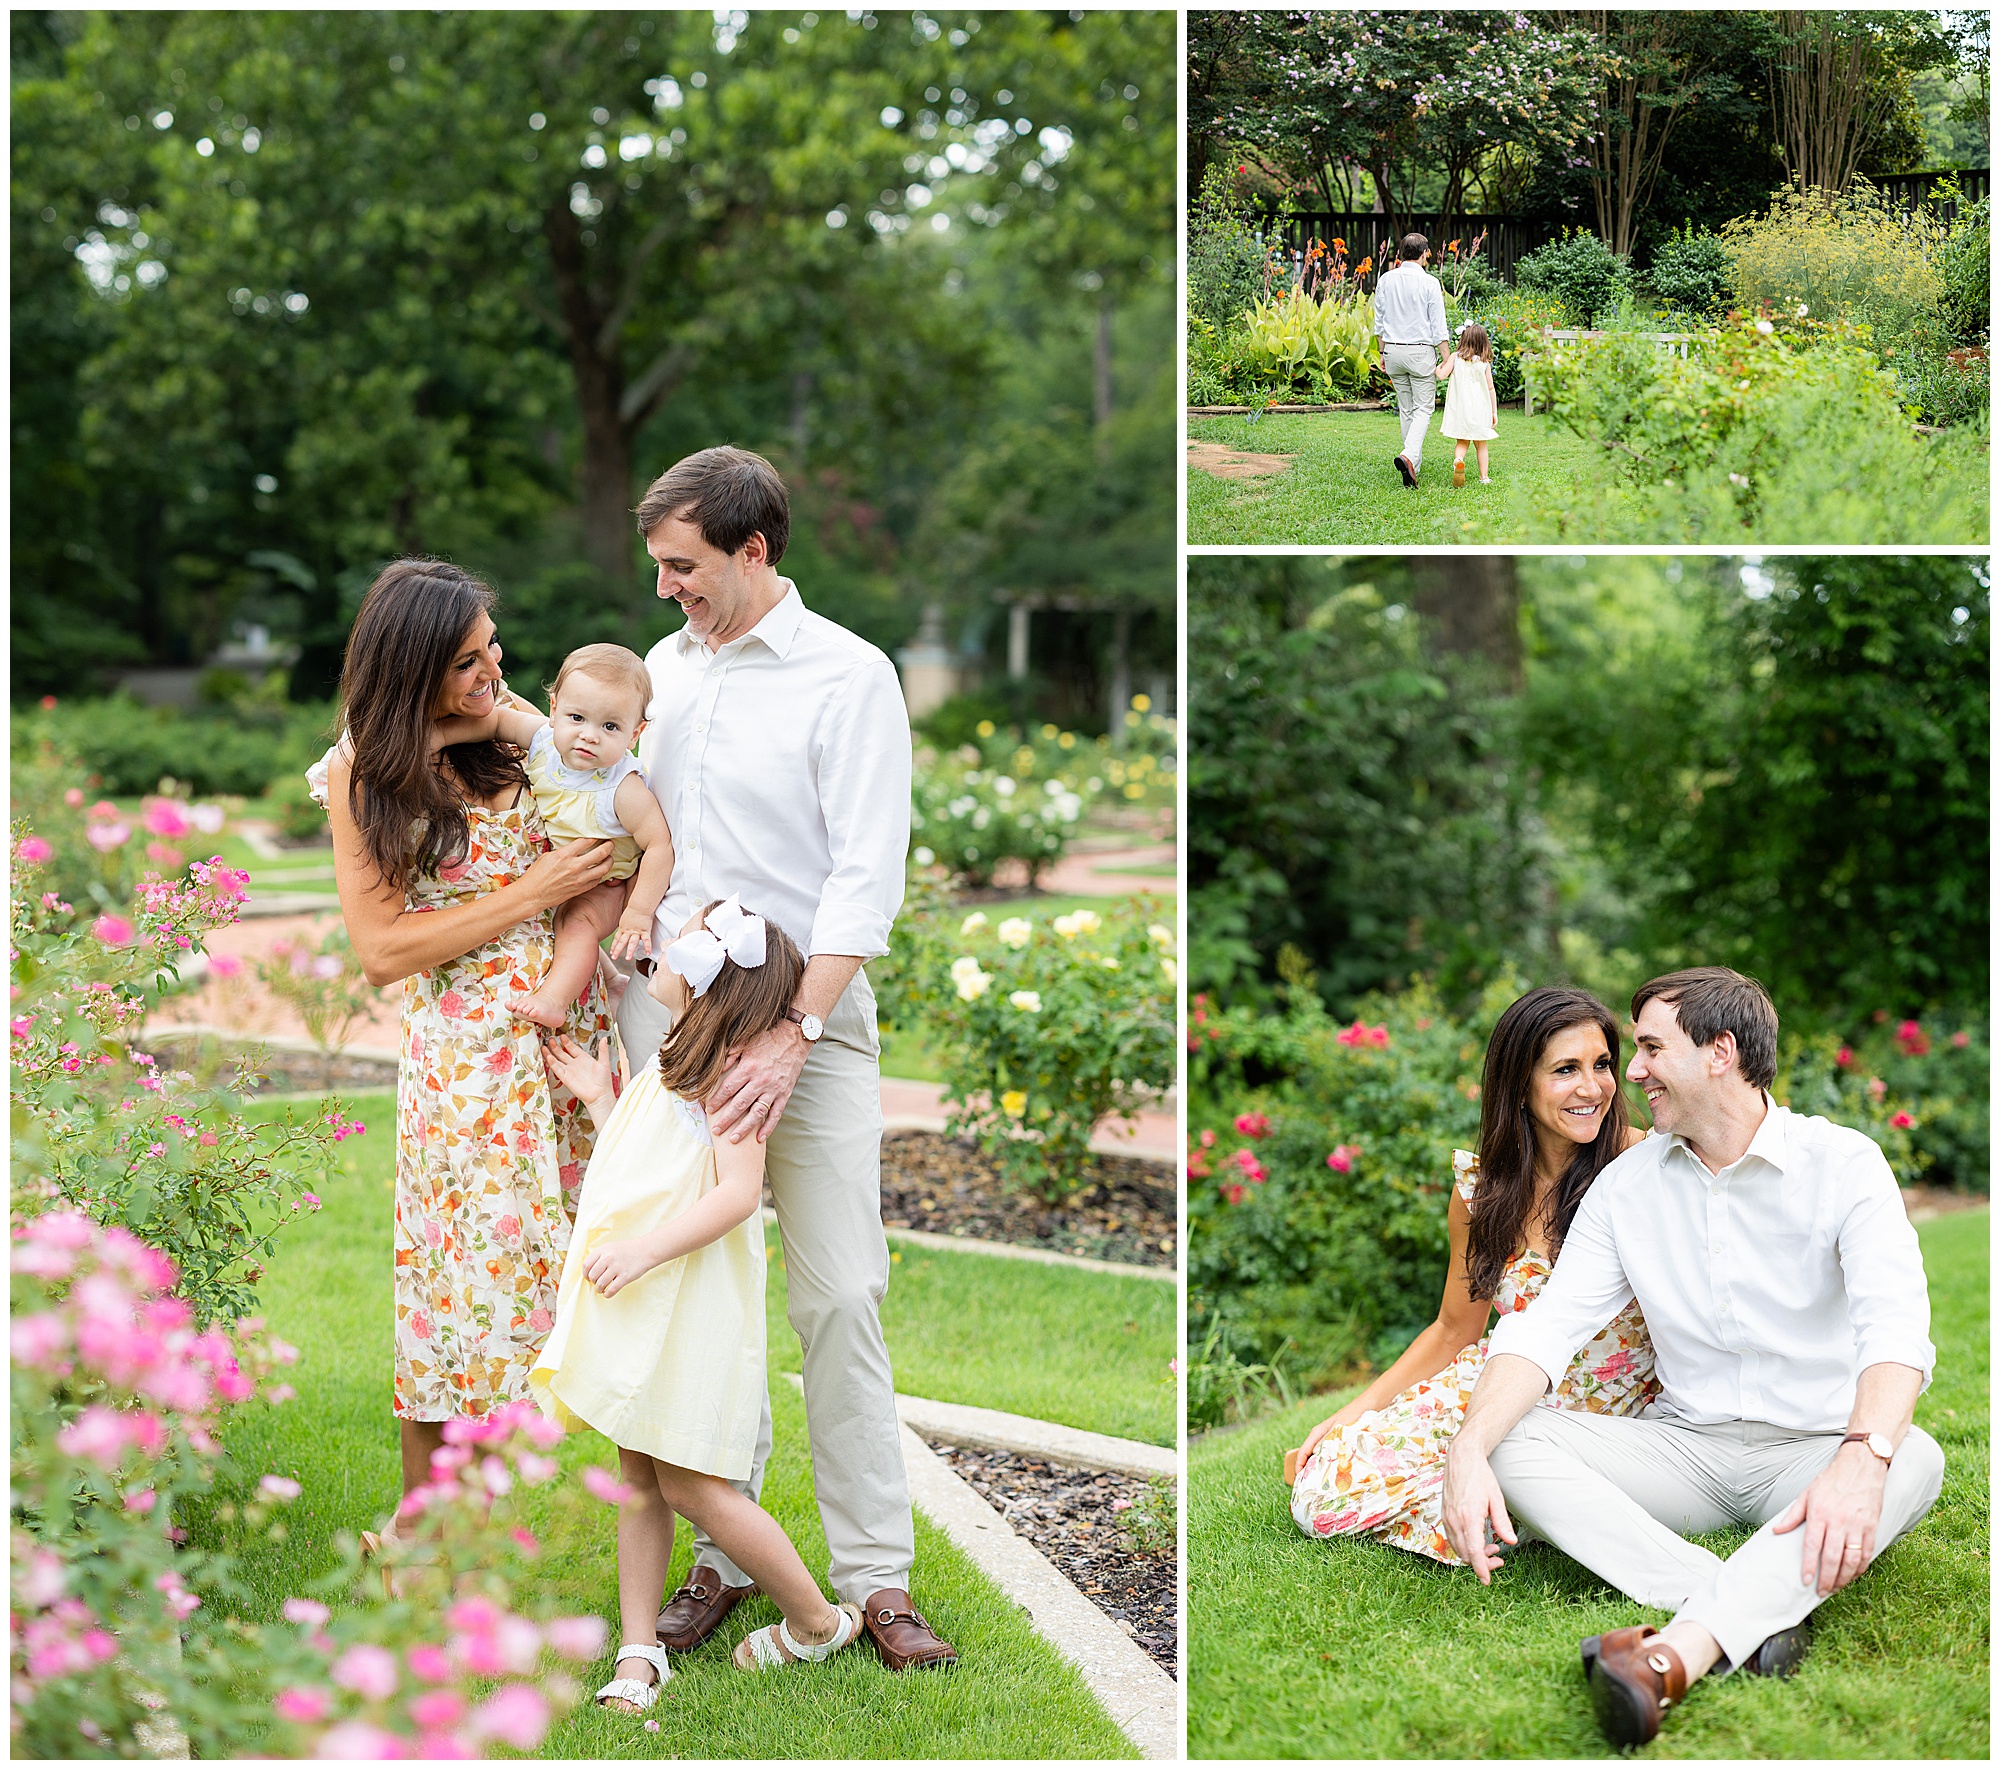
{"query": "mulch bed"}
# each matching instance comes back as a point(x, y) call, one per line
point(948, 1187)
point(1068, 1515)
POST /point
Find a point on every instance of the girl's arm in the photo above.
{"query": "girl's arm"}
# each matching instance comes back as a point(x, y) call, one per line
point(1445, 367)
point(393, 942)
point(1461, 1319)
point(1493, 396)
point(640, 813)
point(739, 1185)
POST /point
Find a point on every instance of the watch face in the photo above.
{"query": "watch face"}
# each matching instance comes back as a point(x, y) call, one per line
point(812, 1028)
point(1879, 1443)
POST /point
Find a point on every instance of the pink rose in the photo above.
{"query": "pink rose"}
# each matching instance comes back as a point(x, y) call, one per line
point(509, 1227)
point(571, 1176)
point(434, 1233)
point(420, 1324)
point(500, 1061)
point(34, 850)
point(541, 1320)
point(1903, 1122)
point(451, 1004)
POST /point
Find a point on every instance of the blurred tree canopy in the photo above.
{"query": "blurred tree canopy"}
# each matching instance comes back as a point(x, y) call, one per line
point(294, 292)
point(1781, 766)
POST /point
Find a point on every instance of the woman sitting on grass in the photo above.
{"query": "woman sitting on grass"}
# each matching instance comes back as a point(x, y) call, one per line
point(1552, 1119)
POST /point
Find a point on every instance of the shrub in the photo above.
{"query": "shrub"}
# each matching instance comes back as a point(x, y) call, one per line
point(1691, 272)
point(120, 1637)
point(1965, 274)
point(324, 985)
point(105, 1132)
point(968, 816)
point(296, 815)
point(1580, 271)
point(1299, 343)
point(1515, 320)
point(1784, 431)
point(1043, 1028)
point(1851, 257)
point(1947, 387)
point(1229, 255)
point(238, 748)
point(1939, 1076)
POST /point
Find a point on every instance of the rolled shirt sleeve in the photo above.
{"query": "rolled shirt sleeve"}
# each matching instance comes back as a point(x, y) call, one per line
point(1587, 1288)
point(863, 777)
point(1434, 310)
point(1882, 1268)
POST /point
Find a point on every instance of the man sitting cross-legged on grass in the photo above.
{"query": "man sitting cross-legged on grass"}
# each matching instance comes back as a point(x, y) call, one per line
point(1781, 1280)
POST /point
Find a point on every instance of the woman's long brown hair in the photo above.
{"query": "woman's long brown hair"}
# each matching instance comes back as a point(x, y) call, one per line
point(1506, 1191)
point(413, 623)
point(737, 1006)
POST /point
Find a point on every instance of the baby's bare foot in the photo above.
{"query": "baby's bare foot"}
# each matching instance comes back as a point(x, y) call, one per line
point(544, 1010)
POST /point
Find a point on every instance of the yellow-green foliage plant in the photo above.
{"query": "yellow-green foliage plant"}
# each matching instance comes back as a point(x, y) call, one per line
point(1843, 257)
point(1328, 344)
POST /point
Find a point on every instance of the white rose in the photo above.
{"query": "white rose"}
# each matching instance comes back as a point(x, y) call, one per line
point(1016, 932)
point(1027, 1000)
point(973, 923)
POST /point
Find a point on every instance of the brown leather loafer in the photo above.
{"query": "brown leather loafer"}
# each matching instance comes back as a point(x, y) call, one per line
point(901, 1636)
point(1779, 1655)
point(1408, 472)
point(696, 1611)
point(1634, 1680)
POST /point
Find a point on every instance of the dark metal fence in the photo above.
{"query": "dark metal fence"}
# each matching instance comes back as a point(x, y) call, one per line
point(1509, 240)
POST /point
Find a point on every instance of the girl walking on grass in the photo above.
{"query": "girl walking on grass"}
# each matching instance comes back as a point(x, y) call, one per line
point(1471, 408)
point(658, 1340)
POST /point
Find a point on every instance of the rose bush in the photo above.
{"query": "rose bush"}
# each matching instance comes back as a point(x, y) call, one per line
point(1002, 797)
point(102, 1128)
point(1043, 1028)
point(120, 1635)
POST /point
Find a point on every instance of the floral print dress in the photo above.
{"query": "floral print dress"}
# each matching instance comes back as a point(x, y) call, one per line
point(490, 1149)
point(1383, 1476)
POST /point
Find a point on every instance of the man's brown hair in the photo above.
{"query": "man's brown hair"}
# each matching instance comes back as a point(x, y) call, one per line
point(736, 1007)
point(729, 494)
point(1711, 1000)
point(1415, 246)
point(613, 664)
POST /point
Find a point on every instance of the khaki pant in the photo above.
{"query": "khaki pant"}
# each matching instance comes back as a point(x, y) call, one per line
point(824, 1164)
point(1413, 371)
point(1618, 1494)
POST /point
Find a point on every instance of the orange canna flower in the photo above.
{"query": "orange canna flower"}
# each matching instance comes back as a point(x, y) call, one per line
point(1342, 244)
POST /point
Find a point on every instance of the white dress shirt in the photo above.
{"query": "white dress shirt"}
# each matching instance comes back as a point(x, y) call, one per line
point(782, 761)
point(1768, 1288)
point(1409, 306)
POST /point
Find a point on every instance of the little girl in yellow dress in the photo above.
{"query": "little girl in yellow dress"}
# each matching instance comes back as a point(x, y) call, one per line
point(658, 1341)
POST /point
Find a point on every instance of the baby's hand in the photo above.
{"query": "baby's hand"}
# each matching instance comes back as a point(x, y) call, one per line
point(582, 1071)
point(634, 938)
point(616, 1264)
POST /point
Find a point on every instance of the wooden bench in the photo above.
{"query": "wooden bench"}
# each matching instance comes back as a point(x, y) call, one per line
point(1676, 343)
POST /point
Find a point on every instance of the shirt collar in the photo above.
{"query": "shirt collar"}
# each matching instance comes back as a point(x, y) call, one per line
point(1768, 1145)
point(778, 629)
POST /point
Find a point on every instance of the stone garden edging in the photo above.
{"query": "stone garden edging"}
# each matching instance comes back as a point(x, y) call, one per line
point(987, 1428)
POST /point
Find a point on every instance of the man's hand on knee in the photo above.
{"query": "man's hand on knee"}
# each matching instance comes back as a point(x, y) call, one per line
point(1472, 1500)
point(1839, 1515)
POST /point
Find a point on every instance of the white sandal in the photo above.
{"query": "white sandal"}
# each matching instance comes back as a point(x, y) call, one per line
point(770, 1647)
point(640, 1696)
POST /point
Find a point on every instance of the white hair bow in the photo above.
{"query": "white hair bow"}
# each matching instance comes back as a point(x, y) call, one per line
point(731, 933)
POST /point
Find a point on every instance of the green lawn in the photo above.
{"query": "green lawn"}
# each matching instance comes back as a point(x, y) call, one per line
point(1343, 490)
point(1355, 1650)
point(961, 1327)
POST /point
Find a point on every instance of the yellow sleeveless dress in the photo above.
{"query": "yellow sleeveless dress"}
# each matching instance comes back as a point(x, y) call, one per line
point(674, 1364)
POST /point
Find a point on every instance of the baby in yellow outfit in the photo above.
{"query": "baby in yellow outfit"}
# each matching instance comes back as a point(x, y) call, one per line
point(588, 784)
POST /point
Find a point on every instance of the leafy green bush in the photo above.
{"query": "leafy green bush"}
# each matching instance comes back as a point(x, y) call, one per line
point(969, 815)
point(1785, 431)
point(1043, 1028)
point(1853, 257)
point(1580, 271)
point(1939, 1076)
point(1322, 348)
point(1964, 268)
point(1947, 387)
point(1515, 319)
point(131, 747)
point(1691, 272)
point(1228, 255)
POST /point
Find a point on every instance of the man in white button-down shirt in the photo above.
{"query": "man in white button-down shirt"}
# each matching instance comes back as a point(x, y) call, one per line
point(779, 746)
point(1783, 1288)
point(1410, 322)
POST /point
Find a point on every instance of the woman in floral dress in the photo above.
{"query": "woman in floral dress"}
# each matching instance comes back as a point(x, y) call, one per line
point(1551, 1119)
point(448, 885)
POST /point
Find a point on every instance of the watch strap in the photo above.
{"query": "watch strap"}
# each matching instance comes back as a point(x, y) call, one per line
point(1866, 1439)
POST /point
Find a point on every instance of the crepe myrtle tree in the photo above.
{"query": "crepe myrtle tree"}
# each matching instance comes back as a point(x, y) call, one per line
point(1410, 96)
